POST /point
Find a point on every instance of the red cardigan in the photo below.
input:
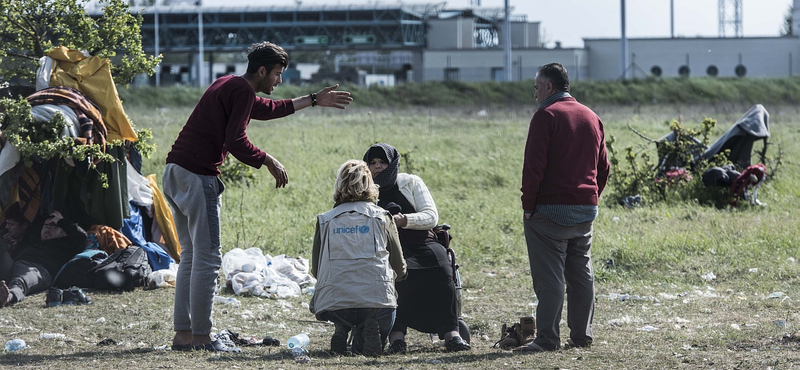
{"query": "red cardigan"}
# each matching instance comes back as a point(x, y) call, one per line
point(565, 156)
point(217, 126)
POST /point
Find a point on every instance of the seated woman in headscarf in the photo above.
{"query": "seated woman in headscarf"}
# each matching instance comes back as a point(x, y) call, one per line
point(426, 299)
point(356, 259)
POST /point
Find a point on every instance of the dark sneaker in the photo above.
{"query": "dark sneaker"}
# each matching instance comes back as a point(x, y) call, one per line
point(53, 297)
point(339, 340)
point(531, 347)
point(398, 346)
point(570, 345)
point(75, 296)
point(371, 333)
point(217, 346)
point(456, 344)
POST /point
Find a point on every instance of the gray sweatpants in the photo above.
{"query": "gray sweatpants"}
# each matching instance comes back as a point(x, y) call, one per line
point(27, 278)
point(195, 201)
point(560, 254)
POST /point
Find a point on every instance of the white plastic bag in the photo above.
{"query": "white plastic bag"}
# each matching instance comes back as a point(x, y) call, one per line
point(240, 260)
point(164, 278)
point(296, 269)
point(252, 272)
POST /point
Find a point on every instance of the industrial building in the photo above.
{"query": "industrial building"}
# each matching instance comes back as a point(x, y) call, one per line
point(431, 42)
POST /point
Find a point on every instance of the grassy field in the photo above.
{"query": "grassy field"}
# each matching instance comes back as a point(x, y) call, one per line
point(658, 306)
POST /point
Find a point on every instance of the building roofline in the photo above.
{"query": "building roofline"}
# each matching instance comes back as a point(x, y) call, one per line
point(704, 38)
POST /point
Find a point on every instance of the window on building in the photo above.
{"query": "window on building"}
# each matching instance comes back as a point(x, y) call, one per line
point(684, 71)
point(656, 71)
point(451, 74)
point(741, 70)
point(712, 71)
point(498, 74)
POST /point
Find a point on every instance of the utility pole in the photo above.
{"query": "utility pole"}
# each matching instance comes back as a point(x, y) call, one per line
point(200, 77)
point(623, 42)
point(158, 67)
point(507, 42)
point(672, 19)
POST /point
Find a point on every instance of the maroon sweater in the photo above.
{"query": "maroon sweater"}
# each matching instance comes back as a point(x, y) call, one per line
point(565, 156)
point(217, 127)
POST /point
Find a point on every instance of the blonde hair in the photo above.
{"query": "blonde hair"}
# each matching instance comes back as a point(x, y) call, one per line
point(354, 183)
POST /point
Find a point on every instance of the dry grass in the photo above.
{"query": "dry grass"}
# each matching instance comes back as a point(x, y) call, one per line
point(679, 320)
point(704, 327)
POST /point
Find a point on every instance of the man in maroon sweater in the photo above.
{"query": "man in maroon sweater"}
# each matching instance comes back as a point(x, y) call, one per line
point(564, 173)
point(216, 127)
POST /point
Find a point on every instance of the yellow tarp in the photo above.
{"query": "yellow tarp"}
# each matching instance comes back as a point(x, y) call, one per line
point(92, 76)
point(164, 219)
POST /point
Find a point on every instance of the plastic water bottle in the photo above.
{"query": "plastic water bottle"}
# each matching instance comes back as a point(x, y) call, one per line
point(227, 300)
point(297, 344)
point(15, 345)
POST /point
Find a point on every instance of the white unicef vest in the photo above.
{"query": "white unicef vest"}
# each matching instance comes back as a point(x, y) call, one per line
point(354, 269)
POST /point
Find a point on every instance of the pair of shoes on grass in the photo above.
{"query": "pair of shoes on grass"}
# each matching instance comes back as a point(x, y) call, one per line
point(67, 297)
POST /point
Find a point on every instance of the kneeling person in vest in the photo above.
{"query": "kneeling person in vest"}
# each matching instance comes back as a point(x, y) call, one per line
point(356, 259)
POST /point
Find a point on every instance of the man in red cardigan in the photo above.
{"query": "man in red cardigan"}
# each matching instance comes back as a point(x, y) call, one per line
point(564, 173)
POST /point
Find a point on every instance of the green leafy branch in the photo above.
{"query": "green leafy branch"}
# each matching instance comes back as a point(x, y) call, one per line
point(37, 140)
point(233, 171)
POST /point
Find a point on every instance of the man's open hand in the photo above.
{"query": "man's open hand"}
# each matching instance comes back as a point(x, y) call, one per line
point(277, 171)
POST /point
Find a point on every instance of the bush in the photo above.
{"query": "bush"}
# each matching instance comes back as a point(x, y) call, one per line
point(677, 174)
point(515, 94)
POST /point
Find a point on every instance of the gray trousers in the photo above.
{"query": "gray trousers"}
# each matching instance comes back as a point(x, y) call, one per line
point(195, 201)
point(27, 278)
point(558, 255)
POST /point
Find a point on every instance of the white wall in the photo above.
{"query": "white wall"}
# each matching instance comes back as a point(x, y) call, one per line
point(761, 56)
point(526, 34)
point(477, 65)
point(451, 33)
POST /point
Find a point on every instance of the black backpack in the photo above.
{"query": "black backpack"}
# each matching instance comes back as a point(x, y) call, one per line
point(75, 272)
point(123, 270)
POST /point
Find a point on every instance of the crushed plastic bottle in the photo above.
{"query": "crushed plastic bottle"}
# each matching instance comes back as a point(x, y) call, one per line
point(227, 300)
point(51, 336)
point(15, 345)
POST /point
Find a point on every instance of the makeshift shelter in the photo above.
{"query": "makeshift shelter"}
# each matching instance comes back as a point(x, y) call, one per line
point(79, 88)
point(739, 139)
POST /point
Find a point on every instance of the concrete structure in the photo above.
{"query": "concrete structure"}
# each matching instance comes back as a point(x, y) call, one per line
point(428, 42)
point(695, 57)
point(487, 65)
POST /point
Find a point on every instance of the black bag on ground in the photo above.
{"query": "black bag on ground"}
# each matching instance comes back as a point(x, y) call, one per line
point(76, 271)
point(123, 270)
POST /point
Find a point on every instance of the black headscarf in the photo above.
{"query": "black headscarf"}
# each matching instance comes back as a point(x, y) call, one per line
point(388, 153)
point(387, 179)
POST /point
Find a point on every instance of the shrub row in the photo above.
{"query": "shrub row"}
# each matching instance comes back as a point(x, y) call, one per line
point(452, 94)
